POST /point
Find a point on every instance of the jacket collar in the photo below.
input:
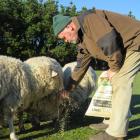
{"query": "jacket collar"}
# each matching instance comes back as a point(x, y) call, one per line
point(78, 27)
point(74, 19)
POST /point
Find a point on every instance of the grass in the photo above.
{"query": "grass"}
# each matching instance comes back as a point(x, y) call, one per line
point(79, 130)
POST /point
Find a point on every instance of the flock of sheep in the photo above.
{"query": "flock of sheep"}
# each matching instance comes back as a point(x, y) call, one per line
point(33, 86)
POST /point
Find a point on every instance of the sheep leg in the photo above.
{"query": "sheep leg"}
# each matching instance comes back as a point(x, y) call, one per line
point(35, 121)
point(21, 121)
point(11, 126)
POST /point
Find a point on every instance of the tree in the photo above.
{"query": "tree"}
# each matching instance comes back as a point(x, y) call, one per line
point(131, 15)
point(10, 26)
point(26, 27)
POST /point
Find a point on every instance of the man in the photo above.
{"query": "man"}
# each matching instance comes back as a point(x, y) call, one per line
point(115, 39)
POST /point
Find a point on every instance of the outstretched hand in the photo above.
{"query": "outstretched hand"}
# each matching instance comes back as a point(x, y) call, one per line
point(64, 95)
point(110, 74)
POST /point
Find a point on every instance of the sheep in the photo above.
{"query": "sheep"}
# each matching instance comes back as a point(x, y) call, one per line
point(24, 83)
point(13, 86)
point(54, 85)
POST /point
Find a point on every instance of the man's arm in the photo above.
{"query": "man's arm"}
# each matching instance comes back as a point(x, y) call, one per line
point(83, 62)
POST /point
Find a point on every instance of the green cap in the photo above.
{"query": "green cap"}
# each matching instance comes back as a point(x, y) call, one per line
point(60, 22)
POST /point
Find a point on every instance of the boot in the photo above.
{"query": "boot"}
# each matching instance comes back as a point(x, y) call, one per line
point(98, 126)
point(104, 136)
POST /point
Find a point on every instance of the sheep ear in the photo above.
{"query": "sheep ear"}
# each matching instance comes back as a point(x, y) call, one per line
point(54, 73)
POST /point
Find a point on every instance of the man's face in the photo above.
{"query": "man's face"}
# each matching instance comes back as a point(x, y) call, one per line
point(69, 34)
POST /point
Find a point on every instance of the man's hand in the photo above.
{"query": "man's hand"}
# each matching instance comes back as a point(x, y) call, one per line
point(110, 74)
point(64, 95)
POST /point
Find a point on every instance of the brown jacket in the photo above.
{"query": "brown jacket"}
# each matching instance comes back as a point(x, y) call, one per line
point(105, 35)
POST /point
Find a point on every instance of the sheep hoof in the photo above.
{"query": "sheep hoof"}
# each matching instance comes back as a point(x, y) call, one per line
point(22, 129)
point(13, 136)
point(36, 126)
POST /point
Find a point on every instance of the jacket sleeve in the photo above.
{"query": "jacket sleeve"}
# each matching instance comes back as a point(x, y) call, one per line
point(83, 62)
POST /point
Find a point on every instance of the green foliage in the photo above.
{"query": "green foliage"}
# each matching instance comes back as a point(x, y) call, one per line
point(64, 53)
point(131, 15)
point(10, 26)
point(75, 134)
point(26, 29)
point(70, 10)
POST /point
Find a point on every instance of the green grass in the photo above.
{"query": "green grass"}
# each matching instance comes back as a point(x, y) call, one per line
point(80, 131)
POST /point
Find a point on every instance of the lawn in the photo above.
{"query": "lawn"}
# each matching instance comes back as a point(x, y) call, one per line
point(79, 130)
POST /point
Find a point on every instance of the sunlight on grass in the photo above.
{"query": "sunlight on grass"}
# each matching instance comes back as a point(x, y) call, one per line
point(75, 134)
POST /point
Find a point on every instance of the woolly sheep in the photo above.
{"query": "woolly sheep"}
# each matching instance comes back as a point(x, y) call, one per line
point(41, 69)
point(13, 86)
point(22, 84)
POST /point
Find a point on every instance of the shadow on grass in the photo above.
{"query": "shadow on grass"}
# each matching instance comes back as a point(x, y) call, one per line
point(48, 127)
point(135, 104)
point(135, 123)
point(38, 135)
point(135, 132)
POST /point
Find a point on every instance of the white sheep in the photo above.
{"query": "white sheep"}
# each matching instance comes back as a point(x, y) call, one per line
point(23, 84)
point(13, 87)
point(47, 106)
